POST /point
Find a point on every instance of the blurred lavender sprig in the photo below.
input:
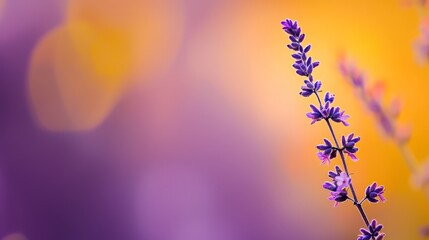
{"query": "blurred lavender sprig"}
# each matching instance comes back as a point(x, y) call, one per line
point(386, 118)
point(341, 181)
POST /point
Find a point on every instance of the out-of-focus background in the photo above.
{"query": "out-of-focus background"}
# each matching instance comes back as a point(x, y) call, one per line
point(181, 119)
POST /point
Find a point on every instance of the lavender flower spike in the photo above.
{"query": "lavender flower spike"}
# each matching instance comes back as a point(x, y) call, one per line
point(304, 66)
point(349, 145)
point(310, 88)
point(373, 231)
point(341, 183)
point(372, 192)
point(327, 153)
point(327, 112)
point(338, 186)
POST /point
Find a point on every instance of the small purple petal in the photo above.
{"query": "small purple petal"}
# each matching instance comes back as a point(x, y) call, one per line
point(306, 49)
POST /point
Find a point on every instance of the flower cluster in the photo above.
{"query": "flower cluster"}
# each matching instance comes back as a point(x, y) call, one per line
point(303, 65)
point(341, 182)
point(327, 112)
point(373, 231)
point(349, 145)
point(309, 88)
point(329, 152)
point(338, 186)
point(373, 192)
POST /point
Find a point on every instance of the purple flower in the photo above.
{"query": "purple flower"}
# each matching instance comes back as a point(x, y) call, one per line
point(372, 192)
point(309, 88)
point(329, 97)
point(303, 65)
point(318, 114)
point(328, 151)
point(330, 186)
point(324, 158)
point(326, 112)
point(338, 197)
point(337, 172)
point(292, 28)
point(338, 116)
point(349, 145)
point(342, 181)
point(373, 231)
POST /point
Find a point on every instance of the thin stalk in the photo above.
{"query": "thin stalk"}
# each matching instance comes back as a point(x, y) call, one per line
point(363, 200)
point(343, 160)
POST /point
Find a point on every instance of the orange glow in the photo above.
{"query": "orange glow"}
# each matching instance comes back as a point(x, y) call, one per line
point(79, 70)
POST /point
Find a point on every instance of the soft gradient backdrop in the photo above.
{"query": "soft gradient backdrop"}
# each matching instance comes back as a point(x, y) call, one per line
point(181, 119)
